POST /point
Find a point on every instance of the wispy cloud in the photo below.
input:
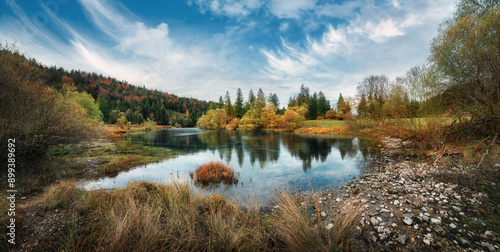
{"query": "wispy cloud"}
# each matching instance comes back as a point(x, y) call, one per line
point(326, 46)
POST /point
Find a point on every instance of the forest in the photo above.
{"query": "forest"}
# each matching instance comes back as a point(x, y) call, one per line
point(122, 103)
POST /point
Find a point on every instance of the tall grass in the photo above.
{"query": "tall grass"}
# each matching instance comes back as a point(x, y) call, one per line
point(293, 225)
point(147, 216)
point(61, 194)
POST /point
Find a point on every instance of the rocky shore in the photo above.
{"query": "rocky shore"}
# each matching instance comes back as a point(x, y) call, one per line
point(406, 207)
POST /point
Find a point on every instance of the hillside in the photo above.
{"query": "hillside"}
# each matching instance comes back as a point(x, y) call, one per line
point(137, 103)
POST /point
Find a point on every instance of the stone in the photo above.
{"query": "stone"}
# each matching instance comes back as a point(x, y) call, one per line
point(487, 245)
point(427, 241)
point(489, 233)
point(373, 238)
point(329, 226)
point(323, 214)
point(464, 241)
point(408, 221)
point(453, 225)
point(402, 239)
point(384, 236)
point(374, 221)
point(415, 226)
point(435, 221)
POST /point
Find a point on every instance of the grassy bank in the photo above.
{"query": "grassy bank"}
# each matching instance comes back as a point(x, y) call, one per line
point(155, 217)
point(104, 155)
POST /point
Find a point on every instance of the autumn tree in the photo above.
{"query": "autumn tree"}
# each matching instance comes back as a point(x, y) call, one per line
point(363, 107)
point(467, 51)
point(37, 116)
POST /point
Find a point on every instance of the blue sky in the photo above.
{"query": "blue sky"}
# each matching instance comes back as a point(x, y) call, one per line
point(203, 48)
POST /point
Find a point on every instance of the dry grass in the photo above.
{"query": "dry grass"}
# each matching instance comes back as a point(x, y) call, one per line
point(61, 194)
point(112, 136)
point(215, 172)
point(148, 216)
point(293, 225)
point(322, 131)
point(115, 165)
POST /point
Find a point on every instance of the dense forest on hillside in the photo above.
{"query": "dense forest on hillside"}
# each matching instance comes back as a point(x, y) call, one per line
point(136, 104)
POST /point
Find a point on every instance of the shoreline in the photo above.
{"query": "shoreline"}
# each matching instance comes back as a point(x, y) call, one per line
point(408, 206)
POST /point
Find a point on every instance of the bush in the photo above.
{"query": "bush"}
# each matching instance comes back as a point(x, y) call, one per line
point(215, 172)
point(233, 125)
point(37, 116)
point(330, 114)
point(320, 118)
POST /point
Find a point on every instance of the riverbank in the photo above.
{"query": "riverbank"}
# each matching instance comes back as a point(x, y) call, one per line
point(422, 206)
point(404, 206)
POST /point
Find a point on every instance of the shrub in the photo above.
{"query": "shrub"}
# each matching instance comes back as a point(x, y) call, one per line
point(38, 116)
point(215, 172)
point(320, 118)
point(61, 195)
point(233, 125)
point(330, 114)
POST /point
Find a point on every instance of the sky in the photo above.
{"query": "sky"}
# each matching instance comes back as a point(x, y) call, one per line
point(203, 48)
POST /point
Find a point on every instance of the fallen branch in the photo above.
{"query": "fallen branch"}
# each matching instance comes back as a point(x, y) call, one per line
point(439, 157)
point(487, 150)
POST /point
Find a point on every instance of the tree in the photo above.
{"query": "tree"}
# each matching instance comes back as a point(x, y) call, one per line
point(273, 98)
point(323, 104)
point(104, 108)
point(220, 105)
point(251, 99)
point(239, 110)
point(228, 106)
point(467, 51)
point(39, 117)
point(376, 89)
point(313, 108)
point(363, 107)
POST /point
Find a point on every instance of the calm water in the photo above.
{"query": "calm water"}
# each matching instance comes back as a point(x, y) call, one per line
point(263, 161)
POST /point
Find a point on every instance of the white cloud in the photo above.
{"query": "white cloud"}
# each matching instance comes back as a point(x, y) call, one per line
point(371, 39)
point(232, 8)
point(284, 26)
point(383, 30)
point(376, 41)
point(290, 8)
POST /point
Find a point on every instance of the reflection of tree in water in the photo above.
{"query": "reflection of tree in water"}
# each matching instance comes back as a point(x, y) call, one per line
point(261, 147)
point(185, 140)
point(368, 164)
point(308, 149)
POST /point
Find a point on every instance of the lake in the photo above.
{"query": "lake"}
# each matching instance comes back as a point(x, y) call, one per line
point(263, 161)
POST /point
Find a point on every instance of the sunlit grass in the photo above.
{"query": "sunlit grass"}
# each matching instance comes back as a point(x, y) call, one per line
point(327, 123)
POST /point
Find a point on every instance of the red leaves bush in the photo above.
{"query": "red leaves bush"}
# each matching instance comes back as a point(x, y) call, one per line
point(215, 172)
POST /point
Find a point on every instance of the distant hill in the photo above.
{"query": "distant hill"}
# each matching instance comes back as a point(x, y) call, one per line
point(138, 103)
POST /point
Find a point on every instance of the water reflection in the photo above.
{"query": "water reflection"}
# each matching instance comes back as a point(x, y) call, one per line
point(262, 160)
point(261, 147)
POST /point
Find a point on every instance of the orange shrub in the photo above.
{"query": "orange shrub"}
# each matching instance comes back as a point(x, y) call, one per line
point(112, 135)
point(215, 172)
point(320, 118)
point(330, 114)
point(233, 124)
